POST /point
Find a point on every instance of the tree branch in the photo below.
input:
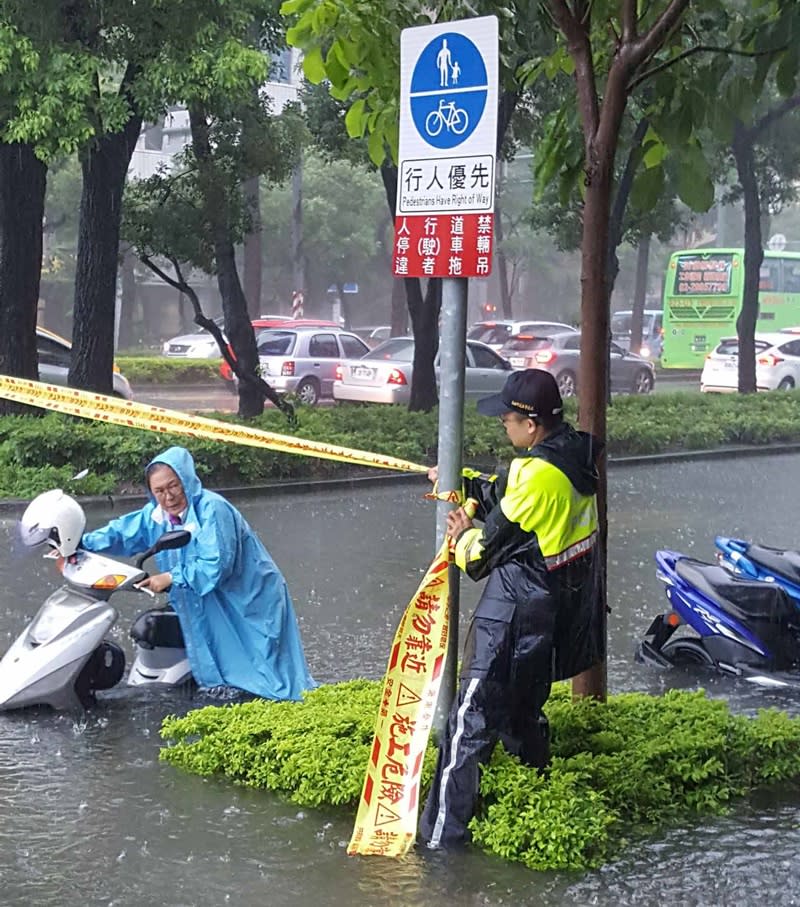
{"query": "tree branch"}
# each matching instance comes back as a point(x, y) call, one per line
point(629, 22)
point(775, 114)
point(699, 48)
point(577, 36)
point(650, 42)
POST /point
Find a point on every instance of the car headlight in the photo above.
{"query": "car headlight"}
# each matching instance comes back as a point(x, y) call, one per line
point(201, 350)
point(645, 351)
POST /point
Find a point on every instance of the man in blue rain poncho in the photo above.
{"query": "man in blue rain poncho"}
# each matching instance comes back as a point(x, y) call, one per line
point(231, 599)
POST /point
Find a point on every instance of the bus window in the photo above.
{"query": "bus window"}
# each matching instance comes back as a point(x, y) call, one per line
point(769, 277)
point(791, 276)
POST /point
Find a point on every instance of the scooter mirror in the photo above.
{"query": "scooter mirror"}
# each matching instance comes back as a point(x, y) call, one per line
point(176, 538)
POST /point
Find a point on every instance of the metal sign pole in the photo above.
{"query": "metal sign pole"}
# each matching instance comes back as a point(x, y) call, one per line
point(452, 353)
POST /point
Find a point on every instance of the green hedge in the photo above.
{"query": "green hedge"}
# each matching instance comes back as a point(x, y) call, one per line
point(628, 766)
point(38, 452)
point(160, 370)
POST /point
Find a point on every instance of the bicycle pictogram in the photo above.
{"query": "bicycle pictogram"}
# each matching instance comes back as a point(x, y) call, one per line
point(447, 115)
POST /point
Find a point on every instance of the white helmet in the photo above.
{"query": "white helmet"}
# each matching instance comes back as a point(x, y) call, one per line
point(55, 518)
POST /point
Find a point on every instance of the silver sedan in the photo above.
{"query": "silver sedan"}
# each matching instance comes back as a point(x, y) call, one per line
point(384, 375)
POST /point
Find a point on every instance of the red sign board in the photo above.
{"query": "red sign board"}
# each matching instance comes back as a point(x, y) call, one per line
point(443, 245)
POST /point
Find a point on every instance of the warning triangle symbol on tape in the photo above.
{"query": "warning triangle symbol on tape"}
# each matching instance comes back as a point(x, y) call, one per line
point(406, 696)
point(384, 815)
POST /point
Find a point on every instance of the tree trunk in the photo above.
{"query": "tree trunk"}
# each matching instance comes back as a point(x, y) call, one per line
point(424, 314)
point(105, 167)
point(639, 293)
point(425, 324)
point(744, 156)
point(399, 308)
point(128, 300)
point(298, 248)
point(238, 326)
point(252, 248)
point(22, 189)
point(501, 260)
point(344, 305)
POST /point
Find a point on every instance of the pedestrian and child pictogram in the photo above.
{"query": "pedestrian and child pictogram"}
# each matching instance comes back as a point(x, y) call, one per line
point(449, 88)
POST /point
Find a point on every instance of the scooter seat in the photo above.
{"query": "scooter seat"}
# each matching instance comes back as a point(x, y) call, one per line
point(159, 628)
point(777, 560)
point(744, 599)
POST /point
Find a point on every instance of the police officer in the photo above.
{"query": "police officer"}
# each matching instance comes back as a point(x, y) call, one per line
point(538, 619)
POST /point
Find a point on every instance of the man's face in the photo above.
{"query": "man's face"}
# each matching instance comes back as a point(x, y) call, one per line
point(520, 429)
point(167, 490)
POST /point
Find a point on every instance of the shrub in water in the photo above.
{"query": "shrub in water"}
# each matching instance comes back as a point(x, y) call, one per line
point(621, 767)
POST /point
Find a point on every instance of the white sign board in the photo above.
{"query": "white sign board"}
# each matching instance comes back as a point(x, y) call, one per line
point(448, 117)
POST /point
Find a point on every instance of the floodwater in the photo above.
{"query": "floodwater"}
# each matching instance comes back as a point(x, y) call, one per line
point(88, 815)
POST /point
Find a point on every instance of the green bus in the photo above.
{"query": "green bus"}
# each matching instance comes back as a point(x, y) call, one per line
point(703, 298)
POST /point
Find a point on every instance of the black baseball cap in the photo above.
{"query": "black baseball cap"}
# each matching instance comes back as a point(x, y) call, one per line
point(532, 392)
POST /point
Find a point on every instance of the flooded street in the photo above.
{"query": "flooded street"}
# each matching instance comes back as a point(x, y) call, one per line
point(89, 816)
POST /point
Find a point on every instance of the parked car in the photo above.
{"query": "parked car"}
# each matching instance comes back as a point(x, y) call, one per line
point(372, 336)
point(54, 357)
point(497, 333)
point(260, 324)
point(384, 374)
point(777, 364)
point(303, 360)
point(652, 332)
point(198, 345)
point(559, 354)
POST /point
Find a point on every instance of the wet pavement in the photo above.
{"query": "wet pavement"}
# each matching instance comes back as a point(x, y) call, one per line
point(89, 816)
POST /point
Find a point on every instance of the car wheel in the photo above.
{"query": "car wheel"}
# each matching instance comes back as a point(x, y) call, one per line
point(308, 392)
point(567, 384)
point(642, 382)
point(786, 385)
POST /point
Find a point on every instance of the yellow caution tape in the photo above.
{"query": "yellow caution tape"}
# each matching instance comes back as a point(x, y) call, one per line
point(386, 822)
point(89, 405)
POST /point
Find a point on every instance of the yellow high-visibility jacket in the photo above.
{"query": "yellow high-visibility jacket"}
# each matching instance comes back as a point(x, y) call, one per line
point(539, 546)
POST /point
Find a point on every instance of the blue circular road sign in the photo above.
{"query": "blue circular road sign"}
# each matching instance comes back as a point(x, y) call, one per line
point(449, 87)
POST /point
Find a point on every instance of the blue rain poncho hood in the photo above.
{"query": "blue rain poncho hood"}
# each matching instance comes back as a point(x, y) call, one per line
point(232, 600)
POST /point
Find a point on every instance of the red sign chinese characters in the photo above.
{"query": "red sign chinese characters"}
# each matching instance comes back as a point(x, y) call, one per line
point(443, 245)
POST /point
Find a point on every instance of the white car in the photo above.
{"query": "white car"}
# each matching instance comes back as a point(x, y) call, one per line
point(497, 333)
point(384, 374)
point(54, 358)
point(199, 345)
point(777, 364)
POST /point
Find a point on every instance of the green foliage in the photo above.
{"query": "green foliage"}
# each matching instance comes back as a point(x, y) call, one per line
point(313, 752)
point(159, 370)
point(624, 767)
point(116, 456)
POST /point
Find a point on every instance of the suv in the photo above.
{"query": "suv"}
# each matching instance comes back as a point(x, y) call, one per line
point(303, 361)
point(496, 333)
point(652, 332)
point(54, 358)
point(559, 354)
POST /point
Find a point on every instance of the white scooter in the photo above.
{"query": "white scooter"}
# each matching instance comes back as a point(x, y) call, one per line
point(62, 657)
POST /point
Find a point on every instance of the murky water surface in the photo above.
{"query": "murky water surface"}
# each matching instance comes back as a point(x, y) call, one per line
point(89, 816)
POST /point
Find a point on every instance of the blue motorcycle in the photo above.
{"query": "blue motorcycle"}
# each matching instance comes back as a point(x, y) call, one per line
point(751, 561)
point(744, 627)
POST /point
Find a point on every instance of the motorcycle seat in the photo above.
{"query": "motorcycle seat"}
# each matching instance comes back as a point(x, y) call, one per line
point(744, 599)
point(783, 563)
point(159, 628)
